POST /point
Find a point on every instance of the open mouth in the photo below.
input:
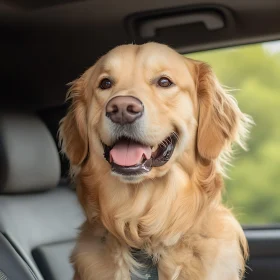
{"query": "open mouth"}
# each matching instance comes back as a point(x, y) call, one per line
point(128, 157)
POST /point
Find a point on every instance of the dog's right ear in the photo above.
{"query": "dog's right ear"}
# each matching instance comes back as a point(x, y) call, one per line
point(221, 123)
point(73, 127)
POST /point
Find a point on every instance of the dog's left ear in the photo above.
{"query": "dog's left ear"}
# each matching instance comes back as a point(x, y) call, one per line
point(220, 121)
point(73, 127)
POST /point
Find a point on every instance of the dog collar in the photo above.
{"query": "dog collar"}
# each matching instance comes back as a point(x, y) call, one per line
point(148, 270)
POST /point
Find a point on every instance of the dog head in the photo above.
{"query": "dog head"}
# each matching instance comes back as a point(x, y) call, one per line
point(141, 109)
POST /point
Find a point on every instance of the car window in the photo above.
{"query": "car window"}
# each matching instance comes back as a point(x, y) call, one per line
point(253, 190)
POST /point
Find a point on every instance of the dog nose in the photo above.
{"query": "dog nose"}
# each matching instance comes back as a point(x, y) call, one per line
point(124, 109)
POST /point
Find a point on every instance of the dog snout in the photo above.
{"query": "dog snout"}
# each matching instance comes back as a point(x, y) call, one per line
point(124, 109)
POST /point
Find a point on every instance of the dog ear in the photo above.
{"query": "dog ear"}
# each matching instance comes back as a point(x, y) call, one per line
point(220, 121)
point(73, 127)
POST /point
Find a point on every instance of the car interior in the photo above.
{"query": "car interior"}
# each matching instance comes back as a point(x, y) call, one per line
point(47, 44)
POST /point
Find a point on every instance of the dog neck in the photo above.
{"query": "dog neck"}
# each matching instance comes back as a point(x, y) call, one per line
point(147, 215)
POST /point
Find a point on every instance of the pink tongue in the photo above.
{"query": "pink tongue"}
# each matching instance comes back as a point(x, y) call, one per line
point(128, 153)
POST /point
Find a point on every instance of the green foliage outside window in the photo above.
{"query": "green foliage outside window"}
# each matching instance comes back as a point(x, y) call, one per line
point(254, 70)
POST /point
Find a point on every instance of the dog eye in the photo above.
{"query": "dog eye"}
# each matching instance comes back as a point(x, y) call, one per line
point(164, 82)
point(105, 83)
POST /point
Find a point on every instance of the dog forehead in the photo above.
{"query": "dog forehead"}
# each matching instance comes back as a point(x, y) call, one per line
point(149, 56)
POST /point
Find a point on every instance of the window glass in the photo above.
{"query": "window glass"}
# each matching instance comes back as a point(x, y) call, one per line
point(253, 191)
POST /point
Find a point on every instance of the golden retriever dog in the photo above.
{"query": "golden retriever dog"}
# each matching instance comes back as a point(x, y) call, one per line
point(148, 135)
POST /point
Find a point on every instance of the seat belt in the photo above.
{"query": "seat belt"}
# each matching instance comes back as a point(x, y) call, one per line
point(148, 271)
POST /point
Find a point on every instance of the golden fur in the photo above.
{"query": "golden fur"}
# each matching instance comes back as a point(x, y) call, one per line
point(173, 213)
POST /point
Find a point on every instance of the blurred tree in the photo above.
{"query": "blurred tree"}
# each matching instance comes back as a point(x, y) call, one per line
point(253, 190)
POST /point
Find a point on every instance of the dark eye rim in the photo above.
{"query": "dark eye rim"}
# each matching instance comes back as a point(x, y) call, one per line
point(170, 82)
point(101, 86)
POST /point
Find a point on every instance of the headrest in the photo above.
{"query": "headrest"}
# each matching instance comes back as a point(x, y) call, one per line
point(29, 158)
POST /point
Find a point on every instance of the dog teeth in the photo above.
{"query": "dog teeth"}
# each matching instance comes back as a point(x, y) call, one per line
point(154, 148)
point(143, 159)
